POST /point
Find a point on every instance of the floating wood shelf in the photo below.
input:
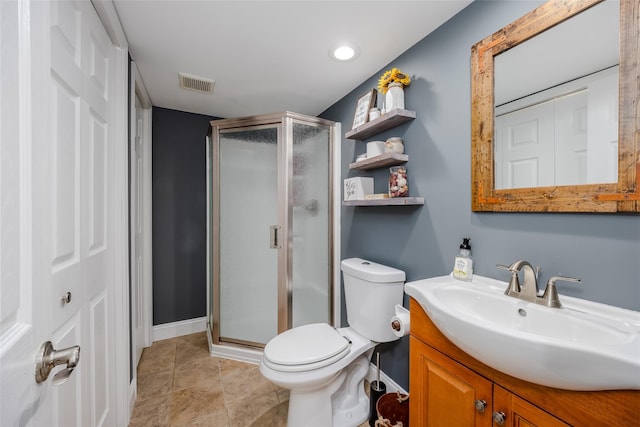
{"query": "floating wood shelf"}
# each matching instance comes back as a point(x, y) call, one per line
point(389, 120)
point(394, 201)
point(386, 159)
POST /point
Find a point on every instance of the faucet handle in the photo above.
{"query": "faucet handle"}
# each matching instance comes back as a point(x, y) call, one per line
point(550, 297)
point(554, 279)
point(514, 284)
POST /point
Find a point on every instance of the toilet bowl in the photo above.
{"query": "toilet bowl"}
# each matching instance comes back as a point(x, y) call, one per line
point(324, 367)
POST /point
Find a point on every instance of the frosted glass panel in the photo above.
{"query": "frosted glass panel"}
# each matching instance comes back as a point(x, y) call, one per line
point(310, 232)
point(248, 207)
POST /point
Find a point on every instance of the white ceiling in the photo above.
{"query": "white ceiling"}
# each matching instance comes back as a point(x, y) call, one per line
point(269, 56)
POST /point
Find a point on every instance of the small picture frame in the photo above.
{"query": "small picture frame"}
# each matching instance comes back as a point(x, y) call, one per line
point(365, 103)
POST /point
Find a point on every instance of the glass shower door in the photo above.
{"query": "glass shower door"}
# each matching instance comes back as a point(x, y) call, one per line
point(248, 266)
point(311, 228)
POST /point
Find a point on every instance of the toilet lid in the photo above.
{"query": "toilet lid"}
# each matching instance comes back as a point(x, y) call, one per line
point(308, 344)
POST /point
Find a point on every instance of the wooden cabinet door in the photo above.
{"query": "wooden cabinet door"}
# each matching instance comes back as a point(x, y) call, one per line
point(520, 413)
point(443, 392)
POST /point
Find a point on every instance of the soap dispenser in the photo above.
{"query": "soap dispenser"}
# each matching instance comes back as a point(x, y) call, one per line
point(463, 265)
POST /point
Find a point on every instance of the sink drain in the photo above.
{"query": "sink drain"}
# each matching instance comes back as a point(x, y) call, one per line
point(522, 312)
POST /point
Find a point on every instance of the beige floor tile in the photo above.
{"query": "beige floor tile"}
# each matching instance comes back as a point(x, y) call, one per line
point(199, 340)
point(274, 417)
point(181, 385)
point(155, 384)
point(198, 372)
point(161, 356)
point(187, 352)
point(245, 383)
point(246, 410)
point(151, 412)
point(192, 404)
point(215, 419)
point(230, 367)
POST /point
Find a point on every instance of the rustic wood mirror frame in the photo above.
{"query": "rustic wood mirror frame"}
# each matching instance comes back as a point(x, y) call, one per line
point(623, 196)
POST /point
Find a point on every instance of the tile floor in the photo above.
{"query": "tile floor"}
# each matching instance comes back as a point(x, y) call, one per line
point(180, 384)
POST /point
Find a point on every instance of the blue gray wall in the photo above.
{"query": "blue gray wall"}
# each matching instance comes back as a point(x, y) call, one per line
point(179, 214)
point(602, 250)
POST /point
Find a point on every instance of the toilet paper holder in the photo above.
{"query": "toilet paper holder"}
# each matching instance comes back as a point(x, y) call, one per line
point(400, 322)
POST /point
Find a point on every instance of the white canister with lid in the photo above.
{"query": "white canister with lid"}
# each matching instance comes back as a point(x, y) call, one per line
point(394, 145)
point(375, 148)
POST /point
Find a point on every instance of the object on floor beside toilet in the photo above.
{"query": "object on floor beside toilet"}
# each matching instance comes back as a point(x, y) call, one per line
point(358, 187)
point(377, 389)
point(393, 410)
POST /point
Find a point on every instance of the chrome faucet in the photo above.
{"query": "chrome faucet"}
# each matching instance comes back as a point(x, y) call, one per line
point(528, 291)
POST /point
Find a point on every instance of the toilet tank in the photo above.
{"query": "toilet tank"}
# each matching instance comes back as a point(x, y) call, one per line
point(371, 292)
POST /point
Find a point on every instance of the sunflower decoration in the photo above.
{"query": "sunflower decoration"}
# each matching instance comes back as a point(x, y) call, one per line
point(393, 75)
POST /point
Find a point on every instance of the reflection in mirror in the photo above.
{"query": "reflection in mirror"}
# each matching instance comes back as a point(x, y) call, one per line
point(600, 130)
point(556, 102)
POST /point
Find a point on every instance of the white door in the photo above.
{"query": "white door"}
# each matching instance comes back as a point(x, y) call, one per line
point(140, 216)
point(525, 147)
point(57, 225)
point(137, 209)
point(571, 118)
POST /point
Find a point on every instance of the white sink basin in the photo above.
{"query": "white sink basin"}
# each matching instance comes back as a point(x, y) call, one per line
point(582, 346)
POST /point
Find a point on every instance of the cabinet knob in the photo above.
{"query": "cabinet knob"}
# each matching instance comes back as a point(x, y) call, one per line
point(481, 405)
point(499, 417)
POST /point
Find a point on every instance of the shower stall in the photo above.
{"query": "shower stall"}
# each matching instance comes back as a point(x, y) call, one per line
point(273, 229)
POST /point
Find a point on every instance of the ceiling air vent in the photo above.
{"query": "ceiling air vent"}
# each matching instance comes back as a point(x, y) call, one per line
point(199, 84)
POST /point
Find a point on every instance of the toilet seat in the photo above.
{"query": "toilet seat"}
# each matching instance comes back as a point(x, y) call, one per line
point(304, 348)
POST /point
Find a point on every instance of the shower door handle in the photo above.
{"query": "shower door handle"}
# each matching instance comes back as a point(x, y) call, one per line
point(274, 244)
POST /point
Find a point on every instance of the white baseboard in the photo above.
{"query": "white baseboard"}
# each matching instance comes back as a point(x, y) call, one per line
point(236, 353)
point(177, 329)
point(392, 386)
point(133, 393)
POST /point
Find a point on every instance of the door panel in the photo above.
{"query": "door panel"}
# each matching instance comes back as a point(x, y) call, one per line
point(310, 216)
point(63, 178)
point(526, 157)
point(18, 318)
point(443, 392)
point(520, 413)
point(67, 397)
point(137, 203)
point(248, 174)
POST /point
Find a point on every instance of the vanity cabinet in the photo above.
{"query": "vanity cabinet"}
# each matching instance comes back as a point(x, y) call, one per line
point(446, 393)
point(443, 392)
point(450, 388)
point(388, 121)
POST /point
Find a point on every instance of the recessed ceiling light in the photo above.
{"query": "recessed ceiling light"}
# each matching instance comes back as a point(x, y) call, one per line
point(344, 52)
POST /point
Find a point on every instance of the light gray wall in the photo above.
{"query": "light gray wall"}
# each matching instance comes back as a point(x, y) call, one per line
point(602, 250)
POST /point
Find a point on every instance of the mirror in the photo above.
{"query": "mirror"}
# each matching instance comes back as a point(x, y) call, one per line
point(573, 173)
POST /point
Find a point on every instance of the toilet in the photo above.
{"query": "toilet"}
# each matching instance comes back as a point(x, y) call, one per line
point(324, 367)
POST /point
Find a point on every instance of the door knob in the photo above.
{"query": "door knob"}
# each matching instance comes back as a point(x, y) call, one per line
point(66, 298)
point(48, 358)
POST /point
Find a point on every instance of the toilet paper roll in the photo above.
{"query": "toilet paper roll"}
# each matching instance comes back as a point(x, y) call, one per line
point(400, 322)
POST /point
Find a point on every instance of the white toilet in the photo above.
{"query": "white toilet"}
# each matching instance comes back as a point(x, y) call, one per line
point(325, 367)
